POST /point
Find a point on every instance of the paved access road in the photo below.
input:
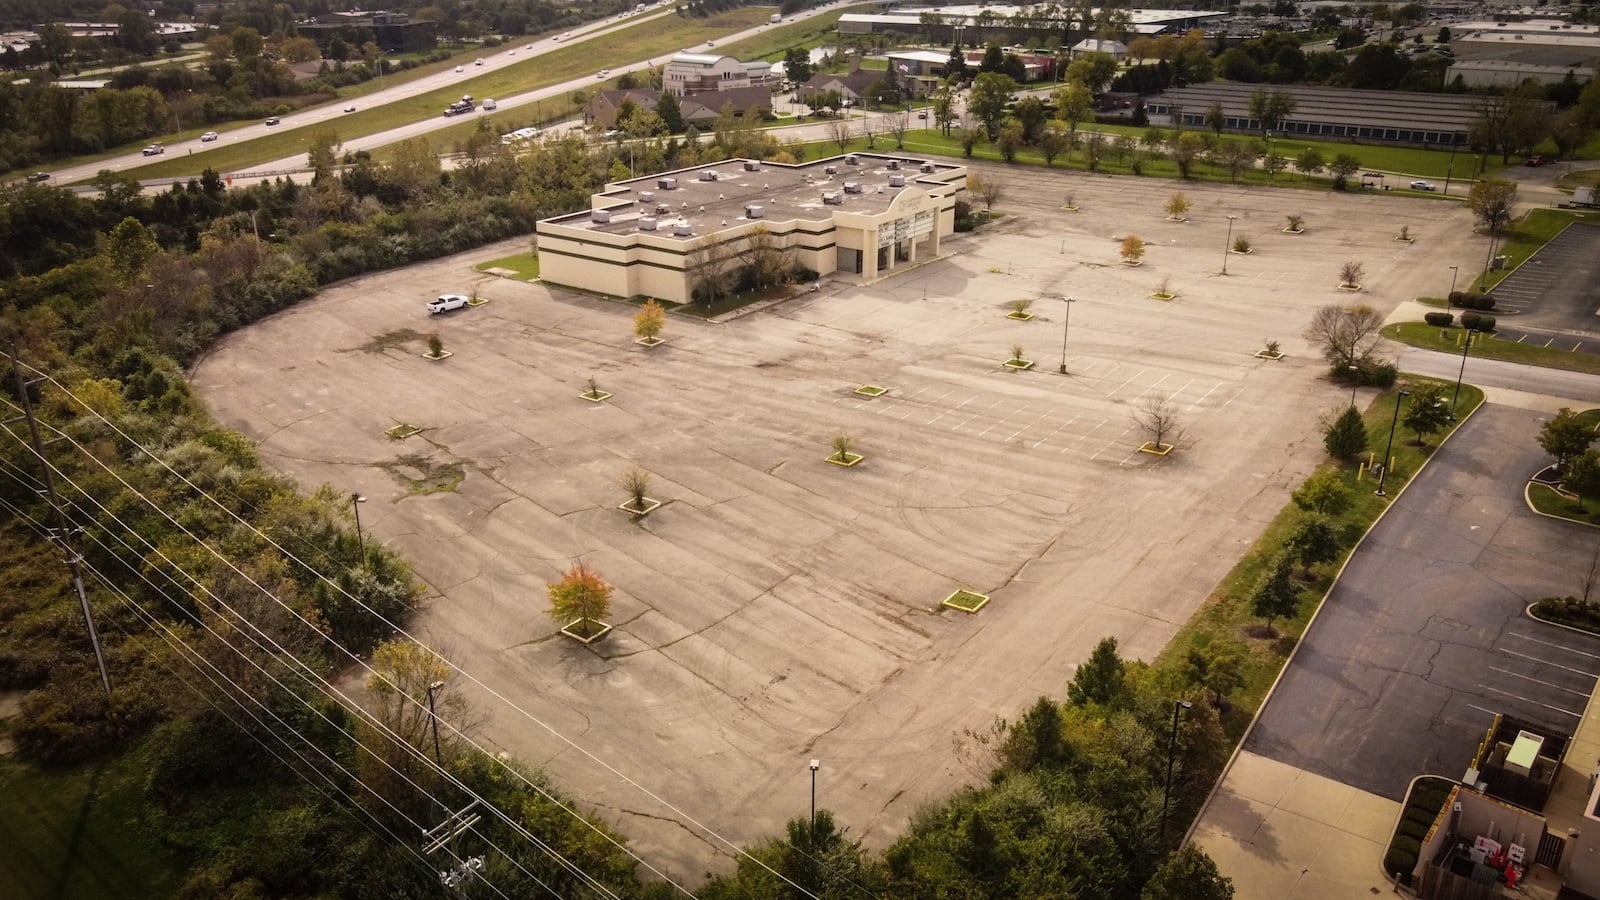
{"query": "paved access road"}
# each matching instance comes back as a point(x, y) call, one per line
point(1424, 638)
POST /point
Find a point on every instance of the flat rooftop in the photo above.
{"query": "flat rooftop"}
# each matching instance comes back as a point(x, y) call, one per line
point(716, 195)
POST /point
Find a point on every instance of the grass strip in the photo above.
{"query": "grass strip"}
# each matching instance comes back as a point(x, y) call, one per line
point(1448, 340)
point(525, 265)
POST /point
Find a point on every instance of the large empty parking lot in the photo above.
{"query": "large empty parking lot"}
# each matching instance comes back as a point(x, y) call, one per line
point(777, 608)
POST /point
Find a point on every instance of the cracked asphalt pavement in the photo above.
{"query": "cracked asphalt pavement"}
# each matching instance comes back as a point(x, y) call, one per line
point(1424, 638)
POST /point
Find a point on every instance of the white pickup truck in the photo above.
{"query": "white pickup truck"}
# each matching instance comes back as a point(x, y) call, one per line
point(446, 302)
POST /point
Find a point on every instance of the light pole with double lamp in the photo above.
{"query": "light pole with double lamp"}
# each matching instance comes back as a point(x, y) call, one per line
point(1178, 707)
point(1227, 244)
point(1383, 474)
point(1066, 323)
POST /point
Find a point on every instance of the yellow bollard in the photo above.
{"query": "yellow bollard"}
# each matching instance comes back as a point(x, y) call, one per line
point(1361, 472)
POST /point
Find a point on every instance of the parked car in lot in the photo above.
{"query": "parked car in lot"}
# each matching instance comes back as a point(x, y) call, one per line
point(153, 150)
point(446, 302)
point(272, 120)
point(208, 137)
point(1536, 160)
point(1422, 185)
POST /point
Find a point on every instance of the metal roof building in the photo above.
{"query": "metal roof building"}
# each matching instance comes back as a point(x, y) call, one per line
point(1392, 117)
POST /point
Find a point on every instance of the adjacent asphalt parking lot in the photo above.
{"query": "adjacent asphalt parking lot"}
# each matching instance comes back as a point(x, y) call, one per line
point(1551, 300)
point(1424, 639)
point(777, 608)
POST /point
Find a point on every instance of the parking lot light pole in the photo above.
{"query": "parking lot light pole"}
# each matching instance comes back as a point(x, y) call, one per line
point(1454, 270)
point(1172, 752)
point(1383, 475)
point(815, 765)
point(1227, 244)
point(361, 544)
point(1355, 382)
point(1066, 323)
point(1465, 346)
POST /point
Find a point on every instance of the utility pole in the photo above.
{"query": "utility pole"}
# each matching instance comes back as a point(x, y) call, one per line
point(63, 528)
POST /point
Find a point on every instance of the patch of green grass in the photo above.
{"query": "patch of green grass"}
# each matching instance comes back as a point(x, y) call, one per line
point(76, 834)
point(656, 38)
point(1569, 611)
point(1448, 340)
point(1441, 302)
point(431, 477)
point(966, 601)
point(1226, 614)
point(525, 265)
point(1551, 502)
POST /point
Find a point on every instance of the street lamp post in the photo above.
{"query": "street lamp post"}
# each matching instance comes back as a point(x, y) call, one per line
point(1453, 273)
point(1066, 323)
point(1383, 474)
point(1269, 157)
point(1465, 346)
point(815, 765)
point(1172, 752)
point(361, 544)
point(1355, 382)
point(433, 719)
point(1226, 244)
point(1451, 168)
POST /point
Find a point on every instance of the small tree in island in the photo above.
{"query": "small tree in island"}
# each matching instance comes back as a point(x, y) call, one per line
point(1350, 275)
point(1177, 206)
point(435, 346)
point(648, 322)
point(1297, 224)
point(1276, 596)
point(1157, 416)
point(580, 602)
point(636, 482)
point(844, 451)
point(1132, 249)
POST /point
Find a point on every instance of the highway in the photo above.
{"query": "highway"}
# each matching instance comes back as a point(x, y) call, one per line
point(332, 112)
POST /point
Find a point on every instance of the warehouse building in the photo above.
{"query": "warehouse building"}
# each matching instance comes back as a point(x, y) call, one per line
point(863, 214)
point(1379, 117)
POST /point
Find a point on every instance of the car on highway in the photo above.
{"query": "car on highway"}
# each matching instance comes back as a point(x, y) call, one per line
point(208, 137)
point(513, 52)
point(603, 73)
point(1536, 160)
point(565, 36)
point(459, 70)
point(479, 62)
point(153, 150)
point(39, 176)
point(923, 114)
point(529, 47)
point(272, 120)
point(1420, 185)
point(350, 108)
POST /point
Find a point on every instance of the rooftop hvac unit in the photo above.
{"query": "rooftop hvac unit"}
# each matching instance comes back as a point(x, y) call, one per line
point(852, 160)
point(647, 223)
point(755, 211)
point(897, 181)
point(647, 196)
point(852, 187)
point(833, 198)
point(682, 229)
point(667, 184)
point(708, 174)
point(663, 208)
point(751, 165)
point(600, 216)
point(927, 168)
point(830, 170)
point(894, 165)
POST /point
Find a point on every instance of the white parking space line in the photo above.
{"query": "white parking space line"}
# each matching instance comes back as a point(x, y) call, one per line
point(1525, 637)
point(1204, 396)
point(1057, 431)
point(1575, 715)
point(1481, 709)
point(1545, 662)
point(1538, 681)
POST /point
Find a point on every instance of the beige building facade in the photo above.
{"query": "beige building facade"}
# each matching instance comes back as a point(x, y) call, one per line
point(861, 214)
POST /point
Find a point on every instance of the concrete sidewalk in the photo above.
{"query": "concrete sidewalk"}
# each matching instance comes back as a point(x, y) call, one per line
point(1280, 833)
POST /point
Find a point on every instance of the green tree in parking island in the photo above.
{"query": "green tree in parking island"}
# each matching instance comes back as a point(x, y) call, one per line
point(1276, 596)
point(1582, 477)
point(1323, 493)
point(1565, 436)
point(1100, 679)
point(1428, 412)
point(1346, 438)
point(1313, 541)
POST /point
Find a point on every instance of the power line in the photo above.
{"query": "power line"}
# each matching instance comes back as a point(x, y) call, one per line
point(402, 631)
